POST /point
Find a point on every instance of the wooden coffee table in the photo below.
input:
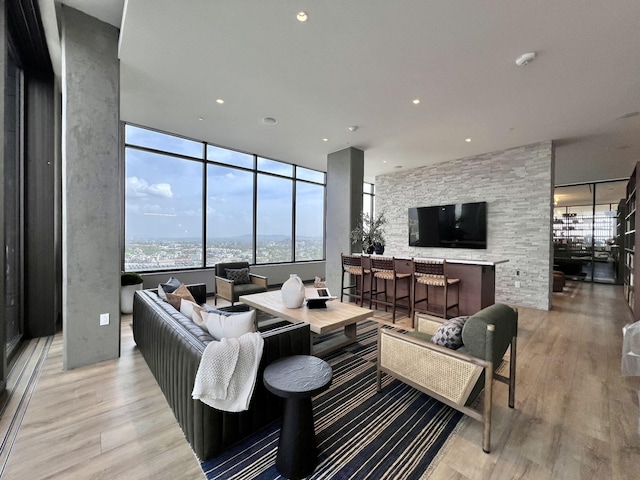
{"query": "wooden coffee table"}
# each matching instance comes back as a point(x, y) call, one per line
point(337, 315)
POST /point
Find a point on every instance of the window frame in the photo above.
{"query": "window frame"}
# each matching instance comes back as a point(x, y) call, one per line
point(255, 171)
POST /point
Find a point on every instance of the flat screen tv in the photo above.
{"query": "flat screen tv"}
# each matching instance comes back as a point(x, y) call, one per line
point(463, 225)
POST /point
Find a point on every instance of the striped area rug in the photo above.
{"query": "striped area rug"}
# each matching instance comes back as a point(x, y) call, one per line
point(361, 434)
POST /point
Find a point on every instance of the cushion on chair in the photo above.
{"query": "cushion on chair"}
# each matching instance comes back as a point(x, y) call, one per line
point(239, 276)
point(474, 334)
point(246, 289)
point(449, 334)
point(221, 267)
point(475, 328)
point(353, 270)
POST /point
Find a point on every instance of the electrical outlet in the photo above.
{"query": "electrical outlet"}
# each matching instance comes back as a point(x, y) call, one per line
point(104, 319)
point(517, 284)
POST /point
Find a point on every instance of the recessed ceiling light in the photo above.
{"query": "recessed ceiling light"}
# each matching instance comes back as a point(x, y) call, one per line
point(220, 101)
point(353, 128)
point(467, 139)
point(416, 101)
point(325, 139)
point(200, 118)
point(384, 161)
point(302, 16)
point(525, 59)
point(269, 120)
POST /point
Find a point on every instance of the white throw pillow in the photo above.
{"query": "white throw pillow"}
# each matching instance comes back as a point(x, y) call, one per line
point(186, 308)
point(192, 311)
point(229, 325)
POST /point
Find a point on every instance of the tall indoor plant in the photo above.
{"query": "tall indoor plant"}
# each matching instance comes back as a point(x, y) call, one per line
point(370, 232)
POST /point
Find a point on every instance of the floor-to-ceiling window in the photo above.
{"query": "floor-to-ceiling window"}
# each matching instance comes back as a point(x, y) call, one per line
point(309, 217)
point(368, 199)
point(190, 204)
point(586, 237)
point(13, 211)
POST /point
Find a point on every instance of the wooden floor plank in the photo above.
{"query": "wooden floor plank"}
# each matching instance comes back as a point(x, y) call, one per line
point(575, 416)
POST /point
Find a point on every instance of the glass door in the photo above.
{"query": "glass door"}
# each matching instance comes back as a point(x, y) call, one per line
point(586, 238)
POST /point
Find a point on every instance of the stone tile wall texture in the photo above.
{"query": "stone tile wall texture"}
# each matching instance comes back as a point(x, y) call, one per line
point(517, 185)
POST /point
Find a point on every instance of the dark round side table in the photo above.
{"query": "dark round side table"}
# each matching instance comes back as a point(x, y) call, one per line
point(297, 379)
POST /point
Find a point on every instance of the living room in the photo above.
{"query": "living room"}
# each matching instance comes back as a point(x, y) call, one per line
point(518, 178)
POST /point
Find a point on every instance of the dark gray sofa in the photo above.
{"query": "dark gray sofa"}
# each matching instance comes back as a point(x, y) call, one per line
point(172, 346)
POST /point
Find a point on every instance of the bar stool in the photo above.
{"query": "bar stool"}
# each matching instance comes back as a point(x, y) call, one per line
point(352, 265)
point(384, 268)
point(433, 273)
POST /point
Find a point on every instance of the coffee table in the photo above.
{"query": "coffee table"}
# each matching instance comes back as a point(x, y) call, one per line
point(337, 315)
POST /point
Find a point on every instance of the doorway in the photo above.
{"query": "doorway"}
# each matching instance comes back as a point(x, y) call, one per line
point(587, 231)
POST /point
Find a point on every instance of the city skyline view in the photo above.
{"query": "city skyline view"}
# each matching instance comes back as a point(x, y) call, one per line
point(176, 186)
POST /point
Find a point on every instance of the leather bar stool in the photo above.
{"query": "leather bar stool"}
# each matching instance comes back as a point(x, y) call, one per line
point(433, 273)
point(384, 269)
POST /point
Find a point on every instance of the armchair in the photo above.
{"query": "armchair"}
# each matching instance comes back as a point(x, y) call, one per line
point(229, 289)
point(454, 377)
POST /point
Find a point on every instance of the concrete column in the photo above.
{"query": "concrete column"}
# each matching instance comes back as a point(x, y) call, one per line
point(345, 175)
point(91, 189)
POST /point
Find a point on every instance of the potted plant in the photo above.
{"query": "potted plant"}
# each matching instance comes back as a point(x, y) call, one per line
point(369, 232)
point(129, 283)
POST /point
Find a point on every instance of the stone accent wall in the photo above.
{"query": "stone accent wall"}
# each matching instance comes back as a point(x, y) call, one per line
point(517, 185)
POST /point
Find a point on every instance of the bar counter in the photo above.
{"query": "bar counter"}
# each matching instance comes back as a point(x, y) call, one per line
point(477, 283)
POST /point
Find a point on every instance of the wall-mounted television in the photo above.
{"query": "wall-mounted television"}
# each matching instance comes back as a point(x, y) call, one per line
point(463, 225)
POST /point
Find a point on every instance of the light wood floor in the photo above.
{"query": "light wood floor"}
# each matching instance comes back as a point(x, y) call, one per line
point(575, 416)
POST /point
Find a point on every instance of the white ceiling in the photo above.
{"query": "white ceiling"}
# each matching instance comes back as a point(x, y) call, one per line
point(362, 62)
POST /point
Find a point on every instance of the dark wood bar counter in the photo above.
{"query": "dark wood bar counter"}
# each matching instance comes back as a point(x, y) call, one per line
point(477, 283)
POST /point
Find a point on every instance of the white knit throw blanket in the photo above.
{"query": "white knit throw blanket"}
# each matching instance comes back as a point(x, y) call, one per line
point(227, 373)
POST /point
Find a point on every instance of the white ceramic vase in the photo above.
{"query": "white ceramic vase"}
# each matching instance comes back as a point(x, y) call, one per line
point(293, 292)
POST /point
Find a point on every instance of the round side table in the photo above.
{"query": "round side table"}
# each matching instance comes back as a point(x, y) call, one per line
point(297, 379)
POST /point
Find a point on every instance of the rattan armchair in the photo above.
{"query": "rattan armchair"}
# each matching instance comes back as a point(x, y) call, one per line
point(454, 377)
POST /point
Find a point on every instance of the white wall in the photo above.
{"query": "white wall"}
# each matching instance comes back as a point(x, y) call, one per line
point(517, 184)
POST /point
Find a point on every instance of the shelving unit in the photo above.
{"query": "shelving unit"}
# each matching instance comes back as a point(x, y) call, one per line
point(620, 240)
point(573, 234)
point(630, 227)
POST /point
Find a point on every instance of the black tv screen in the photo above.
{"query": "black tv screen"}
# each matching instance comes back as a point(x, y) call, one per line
point(463, 225)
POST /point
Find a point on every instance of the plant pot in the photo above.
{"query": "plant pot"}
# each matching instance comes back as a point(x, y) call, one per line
point(369, 250)
point(378, 248)
point(126, 297)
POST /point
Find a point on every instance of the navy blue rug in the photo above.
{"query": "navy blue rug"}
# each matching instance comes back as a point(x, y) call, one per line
point(361, 434)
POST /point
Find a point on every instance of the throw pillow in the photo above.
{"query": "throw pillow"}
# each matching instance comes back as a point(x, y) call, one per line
point(181, 292)
point(238, 275)
point(197, 317)
point(171, 286)
point(229, 325)
point(449, 334)
point(192, 311)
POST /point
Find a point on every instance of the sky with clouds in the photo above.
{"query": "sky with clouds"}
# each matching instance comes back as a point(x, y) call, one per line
point(164, 193)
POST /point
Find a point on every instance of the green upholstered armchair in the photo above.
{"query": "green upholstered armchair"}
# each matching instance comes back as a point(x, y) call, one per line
point(231, 289)
point(454, 377)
